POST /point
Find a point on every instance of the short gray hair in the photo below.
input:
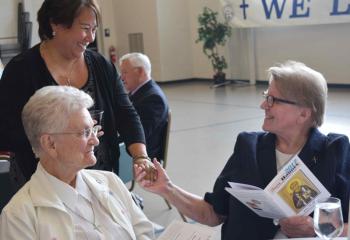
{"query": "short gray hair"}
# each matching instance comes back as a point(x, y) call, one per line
point(297, 82)
point(48, 110)
point(138, 60)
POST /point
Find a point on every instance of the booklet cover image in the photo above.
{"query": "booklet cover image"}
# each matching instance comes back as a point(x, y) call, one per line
point(298, 191)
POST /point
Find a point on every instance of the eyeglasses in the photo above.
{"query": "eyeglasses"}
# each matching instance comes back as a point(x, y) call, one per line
point(86, 133)
point(271, 100)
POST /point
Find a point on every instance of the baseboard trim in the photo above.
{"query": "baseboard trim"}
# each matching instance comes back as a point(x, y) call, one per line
point(244, 81)
point(188, 80)
point(338, 85)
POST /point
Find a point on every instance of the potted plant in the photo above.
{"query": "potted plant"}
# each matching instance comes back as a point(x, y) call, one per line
point(213, 34)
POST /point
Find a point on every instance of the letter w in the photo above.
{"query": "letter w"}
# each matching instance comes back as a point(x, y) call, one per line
point(274, 5)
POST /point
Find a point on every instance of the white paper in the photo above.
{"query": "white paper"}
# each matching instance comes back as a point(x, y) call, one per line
point(185, 231)
point(293, 191)
point(258, 201)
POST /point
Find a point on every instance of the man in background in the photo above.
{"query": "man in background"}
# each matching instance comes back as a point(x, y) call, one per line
point(147, 98)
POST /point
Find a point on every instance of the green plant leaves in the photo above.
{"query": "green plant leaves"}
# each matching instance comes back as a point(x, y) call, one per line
point(213, 33)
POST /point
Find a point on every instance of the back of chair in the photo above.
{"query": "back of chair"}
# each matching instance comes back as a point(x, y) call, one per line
point(165, 140)
point(6, 187)
point(125, 160)
point(125, 166)
point(165, 148)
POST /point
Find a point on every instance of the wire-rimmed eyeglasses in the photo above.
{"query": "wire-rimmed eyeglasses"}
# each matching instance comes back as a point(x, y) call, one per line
point(271, 100)
point(86, 133)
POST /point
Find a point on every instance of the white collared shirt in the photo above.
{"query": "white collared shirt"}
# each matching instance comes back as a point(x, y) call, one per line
point(86, 211)
point(281, 160)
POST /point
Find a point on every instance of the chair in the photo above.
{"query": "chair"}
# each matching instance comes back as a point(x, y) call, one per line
point(165, 141)
point(164, 160)
point(6, 187)
point(125, 161)
point(126, 167)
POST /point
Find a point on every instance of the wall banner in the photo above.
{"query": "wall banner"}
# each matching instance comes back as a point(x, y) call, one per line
point(265, 13)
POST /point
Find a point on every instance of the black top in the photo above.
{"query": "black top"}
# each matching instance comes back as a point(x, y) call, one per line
point(254, 162)
point(27, 72)
point(152, 107)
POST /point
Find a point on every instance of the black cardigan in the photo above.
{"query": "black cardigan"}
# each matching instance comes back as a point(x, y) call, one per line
point(27, 72)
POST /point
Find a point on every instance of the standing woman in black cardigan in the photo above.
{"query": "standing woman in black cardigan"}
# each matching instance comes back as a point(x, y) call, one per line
point(66, 27)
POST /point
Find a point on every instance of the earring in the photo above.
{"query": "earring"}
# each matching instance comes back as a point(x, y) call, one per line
point(53, 33)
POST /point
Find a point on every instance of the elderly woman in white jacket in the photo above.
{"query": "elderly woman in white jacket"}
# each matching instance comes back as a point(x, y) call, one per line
point(62, 200)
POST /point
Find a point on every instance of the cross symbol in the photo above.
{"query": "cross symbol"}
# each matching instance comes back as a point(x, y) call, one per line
point(244, 5)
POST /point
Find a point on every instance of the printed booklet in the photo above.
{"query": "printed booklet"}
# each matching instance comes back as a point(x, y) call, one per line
point(186, 231)
point(292, 192)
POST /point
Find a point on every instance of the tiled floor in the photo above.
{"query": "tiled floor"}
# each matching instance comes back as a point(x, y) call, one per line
point(205, 125)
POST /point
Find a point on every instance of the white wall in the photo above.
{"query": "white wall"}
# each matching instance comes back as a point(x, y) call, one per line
point(238, 49)
point(107, 22)
point(202, 67)
point(8, 20)
point(134, 16)
point(8, 16)
point(170, 31)
point(323, 47)
point(32, 6)
point(175, 37)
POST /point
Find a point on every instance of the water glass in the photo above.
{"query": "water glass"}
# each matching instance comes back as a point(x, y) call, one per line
point(97, 116)
point(328, 218)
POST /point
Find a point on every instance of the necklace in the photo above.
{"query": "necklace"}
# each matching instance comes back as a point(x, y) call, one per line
point(93, 223)
point(70, 73)
point(53, 65)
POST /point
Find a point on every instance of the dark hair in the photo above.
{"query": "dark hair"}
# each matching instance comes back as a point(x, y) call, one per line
point(61, 12)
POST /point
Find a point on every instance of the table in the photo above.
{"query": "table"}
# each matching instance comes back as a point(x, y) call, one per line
point(339, 238)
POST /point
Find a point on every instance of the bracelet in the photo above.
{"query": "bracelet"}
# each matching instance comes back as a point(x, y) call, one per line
point(141, 157)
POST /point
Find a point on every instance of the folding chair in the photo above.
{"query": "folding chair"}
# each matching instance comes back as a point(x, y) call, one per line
point(125, 161)
point(126, 167)
point(164, 160)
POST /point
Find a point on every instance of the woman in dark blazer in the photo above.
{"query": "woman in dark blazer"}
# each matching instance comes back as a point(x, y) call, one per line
point(294, 106)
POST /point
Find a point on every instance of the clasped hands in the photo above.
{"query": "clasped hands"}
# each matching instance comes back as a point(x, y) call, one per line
point(161, 185)
point(147, 166)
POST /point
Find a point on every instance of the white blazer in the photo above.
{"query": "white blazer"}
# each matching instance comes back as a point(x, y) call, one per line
point(36, 212)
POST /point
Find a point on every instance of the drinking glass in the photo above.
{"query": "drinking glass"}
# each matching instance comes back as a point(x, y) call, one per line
point(97, 116)
point(328, 218)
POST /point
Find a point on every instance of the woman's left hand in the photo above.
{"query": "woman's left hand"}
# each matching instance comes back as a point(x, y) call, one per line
point(297, 226)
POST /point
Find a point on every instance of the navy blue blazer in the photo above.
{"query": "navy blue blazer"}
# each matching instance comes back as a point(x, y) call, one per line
point(254, 162)
point(152, 106)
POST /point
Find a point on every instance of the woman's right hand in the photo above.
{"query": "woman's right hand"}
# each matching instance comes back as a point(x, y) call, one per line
point(160, 185)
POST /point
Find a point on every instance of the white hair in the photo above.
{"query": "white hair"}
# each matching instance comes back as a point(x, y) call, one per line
point(49, 109)
point(138, 60)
